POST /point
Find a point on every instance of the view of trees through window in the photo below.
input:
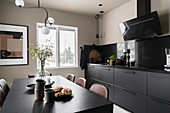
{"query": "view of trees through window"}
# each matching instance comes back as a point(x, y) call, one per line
point(64, 39)
point(67, 48)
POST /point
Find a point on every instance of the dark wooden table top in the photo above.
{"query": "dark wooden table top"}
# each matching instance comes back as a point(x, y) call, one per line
point(20, 100)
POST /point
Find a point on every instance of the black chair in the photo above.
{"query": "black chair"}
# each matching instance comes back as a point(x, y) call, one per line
point(4, 86)
point(2, 97)
point(32, 76)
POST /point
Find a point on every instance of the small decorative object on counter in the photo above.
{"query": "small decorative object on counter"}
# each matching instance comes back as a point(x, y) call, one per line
point(42, 52)
point(133, 63)
point(123, 57)
point(128, 57)
point(167, 52)
point(94, 56)
point(119, 62)
point(112, 60)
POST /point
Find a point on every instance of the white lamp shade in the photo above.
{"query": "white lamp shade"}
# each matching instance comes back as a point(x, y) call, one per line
point(51, 20)
point(45, 30)
point(19, 3)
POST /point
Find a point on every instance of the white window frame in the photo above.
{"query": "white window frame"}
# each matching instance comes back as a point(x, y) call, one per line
point(61, 27)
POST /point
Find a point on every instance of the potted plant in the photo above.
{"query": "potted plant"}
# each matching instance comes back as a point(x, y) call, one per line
point(112, 60)
point(42, 52)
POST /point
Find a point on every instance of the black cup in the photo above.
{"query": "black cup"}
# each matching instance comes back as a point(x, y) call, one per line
point(49, 95)
point(39, 94)
point(40, 84)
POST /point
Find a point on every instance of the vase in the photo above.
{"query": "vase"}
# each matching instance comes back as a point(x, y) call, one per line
point(42, 73)
point(112, 63)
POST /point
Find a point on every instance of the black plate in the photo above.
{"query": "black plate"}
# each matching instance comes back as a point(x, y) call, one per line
point(30, 86)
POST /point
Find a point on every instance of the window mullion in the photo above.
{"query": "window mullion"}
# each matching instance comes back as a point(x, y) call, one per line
point(57, 47)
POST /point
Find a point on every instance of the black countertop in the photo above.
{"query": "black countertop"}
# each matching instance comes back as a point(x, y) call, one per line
point(157, 70)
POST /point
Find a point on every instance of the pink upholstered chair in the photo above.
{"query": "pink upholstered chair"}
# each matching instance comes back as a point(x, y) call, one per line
point(4, 86)
point(2, 97)
point(81, 82)
point(71, 77)
point(100, 90)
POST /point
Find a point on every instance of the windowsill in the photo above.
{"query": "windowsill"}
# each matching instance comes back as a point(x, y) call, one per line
point(62, 68)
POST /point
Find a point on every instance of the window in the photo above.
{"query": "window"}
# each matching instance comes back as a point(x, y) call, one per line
point(65, 41)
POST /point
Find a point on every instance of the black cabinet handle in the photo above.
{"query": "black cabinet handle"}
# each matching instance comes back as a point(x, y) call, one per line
point(161, 101)
point(133, 93)
point(130, 72)
point(106, 69)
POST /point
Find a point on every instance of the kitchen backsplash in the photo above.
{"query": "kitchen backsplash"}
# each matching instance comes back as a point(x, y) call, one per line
point(149, 53)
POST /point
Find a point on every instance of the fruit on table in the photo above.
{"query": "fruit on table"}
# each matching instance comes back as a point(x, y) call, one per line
point(66, 91)
point(59, 94)
point(58, 89)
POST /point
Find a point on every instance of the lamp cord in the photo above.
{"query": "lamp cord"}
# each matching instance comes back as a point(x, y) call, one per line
point(46, 19)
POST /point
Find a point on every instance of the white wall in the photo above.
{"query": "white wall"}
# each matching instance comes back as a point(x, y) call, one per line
point(13, 15)
point(110, 22)
point(163, 8)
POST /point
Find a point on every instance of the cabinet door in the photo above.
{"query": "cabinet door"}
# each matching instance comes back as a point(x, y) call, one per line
point(106, 74)
point(159, 85)
point(89, 82)
point(132, 101)
point(109, 87)
point(92, 72)
point(158, 106)
point(131, 79)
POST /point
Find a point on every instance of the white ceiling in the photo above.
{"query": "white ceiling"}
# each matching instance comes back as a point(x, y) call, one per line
point(87, 7)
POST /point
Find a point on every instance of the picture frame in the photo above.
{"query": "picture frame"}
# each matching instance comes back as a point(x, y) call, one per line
point(13, 45)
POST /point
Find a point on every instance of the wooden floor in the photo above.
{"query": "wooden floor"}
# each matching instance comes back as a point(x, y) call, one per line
point(117, 109)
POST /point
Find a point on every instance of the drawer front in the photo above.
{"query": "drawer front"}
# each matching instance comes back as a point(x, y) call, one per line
point(159, 85)
point(131, 79)
point(132, 101)
point(110, 89)
point(89, 82)
point(92, 72)
point(158, 106)
point(106, 74)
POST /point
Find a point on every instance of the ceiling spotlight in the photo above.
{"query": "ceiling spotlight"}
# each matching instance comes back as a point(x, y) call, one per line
point(102, 12)
point(100, 4)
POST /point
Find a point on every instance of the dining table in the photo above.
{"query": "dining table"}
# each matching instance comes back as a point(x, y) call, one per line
point(22, 100)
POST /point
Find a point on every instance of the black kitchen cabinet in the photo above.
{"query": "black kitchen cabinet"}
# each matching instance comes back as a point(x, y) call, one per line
point(92, 71)
point(132, 101)
point(159, 85)
point(139, 91)
point(131, 79)
point(89, 82)
point(106, 74)
point(156, 105)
